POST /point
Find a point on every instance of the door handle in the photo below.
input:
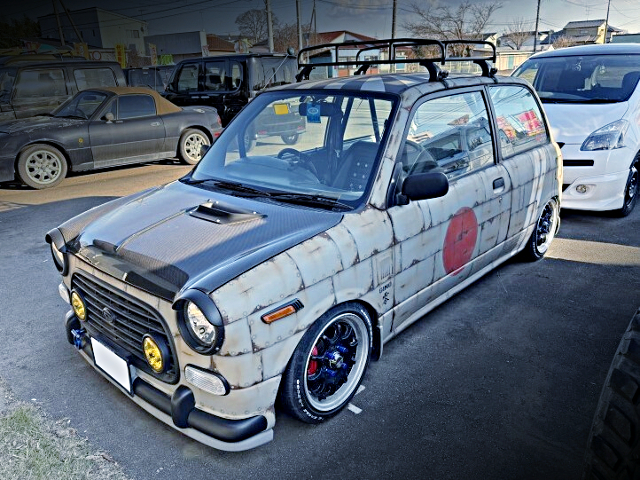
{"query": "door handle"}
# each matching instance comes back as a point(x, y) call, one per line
point(498, 183)
point(155, 124)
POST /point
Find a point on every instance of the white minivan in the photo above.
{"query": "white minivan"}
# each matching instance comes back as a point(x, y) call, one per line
point(592, 99)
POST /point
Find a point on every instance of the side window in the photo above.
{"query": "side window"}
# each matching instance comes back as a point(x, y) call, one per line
point(451, 134)
point(40, 83)
point(132, 106)
point(214, 76)
point(236, 75)
point(94, 77)
point(520, 123)
point(188, 78)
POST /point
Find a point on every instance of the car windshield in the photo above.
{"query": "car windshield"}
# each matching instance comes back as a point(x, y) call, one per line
point(293, 146)
point(583, 79)
point(82, 105)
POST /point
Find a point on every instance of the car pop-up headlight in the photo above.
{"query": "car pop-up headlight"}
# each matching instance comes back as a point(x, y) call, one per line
point(199, 322)
point(607, 138)
point(58, 250)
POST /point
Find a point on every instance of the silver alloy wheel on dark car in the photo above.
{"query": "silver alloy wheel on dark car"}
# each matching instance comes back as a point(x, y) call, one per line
point(190, 143)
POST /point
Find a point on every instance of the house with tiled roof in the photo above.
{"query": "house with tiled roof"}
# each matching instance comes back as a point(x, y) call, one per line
point(584, 32)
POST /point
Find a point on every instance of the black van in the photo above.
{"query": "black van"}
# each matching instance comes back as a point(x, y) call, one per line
point(228, 82)
point(35, 84)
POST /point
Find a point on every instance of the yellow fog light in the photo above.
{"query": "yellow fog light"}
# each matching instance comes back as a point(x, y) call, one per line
point(156, 352)
point(78, 306)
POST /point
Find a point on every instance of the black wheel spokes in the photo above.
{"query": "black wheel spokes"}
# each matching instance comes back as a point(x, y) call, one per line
point(336, 355)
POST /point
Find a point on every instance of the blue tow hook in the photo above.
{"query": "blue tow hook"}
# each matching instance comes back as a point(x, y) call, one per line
point(79, 338)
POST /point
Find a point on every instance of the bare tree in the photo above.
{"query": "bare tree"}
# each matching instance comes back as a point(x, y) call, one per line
point(253, 24)
point(563, 41)
point(517, 33)
point(446, 22)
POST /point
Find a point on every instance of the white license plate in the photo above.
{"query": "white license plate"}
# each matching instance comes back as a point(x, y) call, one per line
point(112, 364)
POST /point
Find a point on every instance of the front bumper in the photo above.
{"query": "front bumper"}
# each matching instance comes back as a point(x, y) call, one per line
point(604, 174)
point(179, 409)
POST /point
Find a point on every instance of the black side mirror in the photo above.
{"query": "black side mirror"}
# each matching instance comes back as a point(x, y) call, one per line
point(422, 186)
point(204, 149)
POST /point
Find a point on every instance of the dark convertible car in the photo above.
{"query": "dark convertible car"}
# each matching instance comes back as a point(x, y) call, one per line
point(99, 128)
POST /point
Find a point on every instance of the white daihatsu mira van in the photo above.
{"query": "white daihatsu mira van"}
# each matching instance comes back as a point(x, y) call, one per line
point(592, 99)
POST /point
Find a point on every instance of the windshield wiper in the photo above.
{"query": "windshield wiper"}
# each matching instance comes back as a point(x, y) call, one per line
point(309, 199)
point(228, 185)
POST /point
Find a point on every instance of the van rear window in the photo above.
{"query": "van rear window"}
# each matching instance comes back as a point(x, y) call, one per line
point(94, 77)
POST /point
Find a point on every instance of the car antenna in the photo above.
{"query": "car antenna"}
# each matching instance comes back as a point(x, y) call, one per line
point(290, 52)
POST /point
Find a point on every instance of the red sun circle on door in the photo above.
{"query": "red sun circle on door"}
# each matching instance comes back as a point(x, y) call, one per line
point(460, 241)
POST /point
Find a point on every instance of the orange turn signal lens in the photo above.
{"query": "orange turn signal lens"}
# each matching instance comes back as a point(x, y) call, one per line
point(278, 314)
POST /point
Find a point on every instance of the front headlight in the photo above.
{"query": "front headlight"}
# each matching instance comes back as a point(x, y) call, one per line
point(198, 325)
point(607, 138)
point(199, 322)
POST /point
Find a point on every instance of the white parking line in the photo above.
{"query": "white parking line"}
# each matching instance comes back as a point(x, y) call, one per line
point(360, 389)
point(354, 409)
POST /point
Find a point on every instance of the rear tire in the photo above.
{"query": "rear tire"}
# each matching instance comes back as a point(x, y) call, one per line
point(41, 166)
point(544, 232)
point(290, 139)
point(613, 448)
point(631, 189)
point(189, 146)
point(328, 364)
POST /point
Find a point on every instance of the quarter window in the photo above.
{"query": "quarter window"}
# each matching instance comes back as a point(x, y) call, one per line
point(520, 122)
point(132, 106)
point(449, 134)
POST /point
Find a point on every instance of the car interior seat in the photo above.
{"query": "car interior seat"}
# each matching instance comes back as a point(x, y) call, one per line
point(355, 166)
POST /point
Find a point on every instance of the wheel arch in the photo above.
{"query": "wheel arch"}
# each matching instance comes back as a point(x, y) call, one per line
point(50, 143)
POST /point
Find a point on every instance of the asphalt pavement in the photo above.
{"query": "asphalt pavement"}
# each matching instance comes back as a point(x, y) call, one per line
point(501, 381)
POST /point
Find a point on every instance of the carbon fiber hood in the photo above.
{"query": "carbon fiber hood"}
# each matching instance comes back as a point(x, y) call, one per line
point(157, 242)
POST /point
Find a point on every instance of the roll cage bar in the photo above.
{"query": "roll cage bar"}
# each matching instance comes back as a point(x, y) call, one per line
point(430, 63)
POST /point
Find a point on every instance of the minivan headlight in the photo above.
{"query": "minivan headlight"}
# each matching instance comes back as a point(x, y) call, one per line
point(607, 138)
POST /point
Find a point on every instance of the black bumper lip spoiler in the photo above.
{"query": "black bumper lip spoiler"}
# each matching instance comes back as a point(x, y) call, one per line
point(219, 428)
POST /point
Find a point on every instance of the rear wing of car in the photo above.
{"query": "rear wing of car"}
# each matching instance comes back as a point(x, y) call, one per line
point(426, 52)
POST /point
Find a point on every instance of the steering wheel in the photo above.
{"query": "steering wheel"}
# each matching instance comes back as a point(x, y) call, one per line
point(302, 160)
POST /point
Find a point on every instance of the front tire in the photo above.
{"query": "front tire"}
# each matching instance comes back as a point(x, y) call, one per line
point(613, 448)
point(41, 166)
point(544, 232)
point(189, 147)
point(328, 364)
point(631, 189)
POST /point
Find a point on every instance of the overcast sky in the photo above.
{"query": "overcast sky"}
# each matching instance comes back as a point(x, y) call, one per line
point(368, 17)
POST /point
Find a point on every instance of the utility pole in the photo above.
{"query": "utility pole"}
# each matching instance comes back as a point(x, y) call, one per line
point(75, 29)
point(535, 38)
point(269, 26)
point(55, 12)
point(393, 19)
point(606, 23)
point(299, 26)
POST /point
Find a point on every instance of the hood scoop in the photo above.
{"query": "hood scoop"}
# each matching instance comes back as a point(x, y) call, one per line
point(223, 213)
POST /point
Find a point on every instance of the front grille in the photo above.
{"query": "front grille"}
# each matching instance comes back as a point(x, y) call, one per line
point(123, 320)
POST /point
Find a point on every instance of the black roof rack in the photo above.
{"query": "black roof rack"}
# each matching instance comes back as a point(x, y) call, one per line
point(430, 63)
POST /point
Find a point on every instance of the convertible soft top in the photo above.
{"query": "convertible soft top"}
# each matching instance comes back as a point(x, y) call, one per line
point(163, 106)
